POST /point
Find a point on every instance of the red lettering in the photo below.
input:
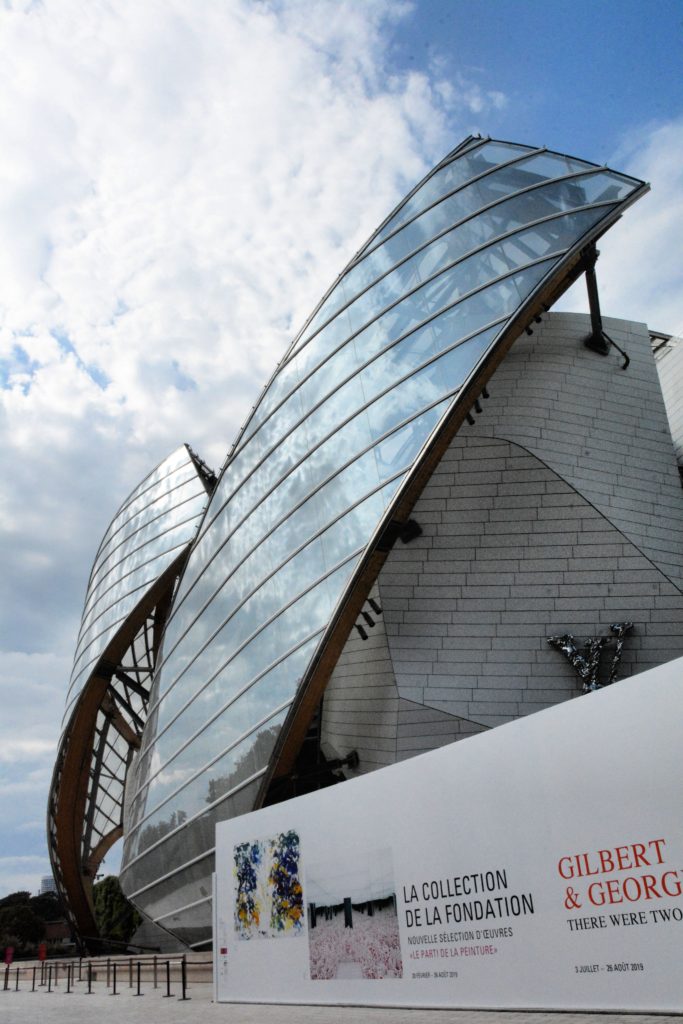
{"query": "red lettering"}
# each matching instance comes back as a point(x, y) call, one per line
point(606, 861)
point(650, 886)
point(619, 858)
point(677, 887)
point(586, 870)
point(632, 889)
point(613, 890)
point(595, 890)
point(622, 857)
point(570, 869)
point(639, 858)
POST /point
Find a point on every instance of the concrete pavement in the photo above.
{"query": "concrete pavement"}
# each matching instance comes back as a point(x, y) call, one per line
point(58, 1007)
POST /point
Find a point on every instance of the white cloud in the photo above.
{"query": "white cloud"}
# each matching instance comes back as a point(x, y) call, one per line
point(19, 874)
point(176, 193)
point(640, 271)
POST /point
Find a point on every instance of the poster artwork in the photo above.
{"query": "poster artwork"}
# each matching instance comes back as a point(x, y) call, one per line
point(268, 894)
point(353, 928)
point(492, 873)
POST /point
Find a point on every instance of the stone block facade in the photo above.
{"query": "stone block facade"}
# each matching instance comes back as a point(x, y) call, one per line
point(559, 511)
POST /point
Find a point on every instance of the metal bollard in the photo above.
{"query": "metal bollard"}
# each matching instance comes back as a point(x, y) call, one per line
point(49, 978)
point(130, 972)
point(33, 987)
point(80, 961)
point(155, 970)
point(113, 990)
point(89, 992)
point(16, 987)
point(139, 993)
point(6, 985)
point(56, 973)
point(168, 980)
point(108, 970)
point(68, 980)
point(183, 977)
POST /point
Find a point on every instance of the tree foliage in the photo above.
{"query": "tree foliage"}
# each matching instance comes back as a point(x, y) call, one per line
point(47, 906)
point(116, 918)
point(23, 917)
point(15, 897)
point(20, 927)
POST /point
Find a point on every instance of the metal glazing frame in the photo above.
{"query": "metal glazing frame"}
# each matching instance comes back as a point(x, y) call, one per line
point(107, 713)
point(563, 267)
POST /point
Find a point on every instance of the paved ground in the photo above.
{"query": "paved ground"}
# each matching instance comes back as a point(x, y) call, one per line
point(58, 1007)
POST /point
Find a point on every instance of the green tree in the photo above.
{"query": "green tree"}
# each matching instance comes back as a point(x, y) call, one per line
point(20, 927)
point(116, 918)
point(47, 906)
point(15, 897)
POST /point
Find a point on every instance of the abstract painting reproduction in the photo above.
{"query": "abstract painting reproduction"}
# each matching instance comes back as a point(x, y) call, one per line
point(353, 927)
point(269, 900)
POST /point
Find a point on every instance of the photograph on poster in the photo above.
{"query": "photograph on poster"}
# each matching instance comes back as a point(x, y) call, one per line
point(268, 892)
point(352, 921)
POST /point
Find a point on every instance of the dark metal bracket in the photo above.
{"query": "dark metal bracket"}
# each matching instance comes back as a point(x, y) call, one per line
point(598, 340)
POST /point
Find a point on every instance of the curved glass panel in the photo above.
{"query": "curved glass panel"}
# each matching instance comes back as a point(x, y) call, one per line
point(339, 428)
point(269, 691)
point(164, 510)
point(471, 233)
point(164, 520)
point(174, 471)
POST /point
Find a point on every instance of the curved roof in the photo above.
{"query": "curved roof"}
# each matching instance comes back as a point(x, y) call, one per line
point(128, 595)
point(150, 528)
point(325, 470)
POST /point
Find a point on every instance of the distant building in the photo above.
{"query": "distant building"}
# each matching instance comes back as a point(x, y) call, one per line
point(47, 884)
point(448, 509)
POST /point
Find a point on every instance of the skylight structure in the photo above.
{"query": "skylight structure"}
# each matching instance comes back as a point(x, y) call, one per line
point(127, 600)
point(321, 482)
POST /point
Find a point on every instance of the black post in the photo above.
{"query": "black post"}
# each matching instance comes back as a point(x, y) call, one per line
point(6, 985)
point(34, 980)
point(80, 963)
point(113, 991)
point(108, 970)
point(68, 979)
point(155, 970)
point(183, 975)
point(89, 992)
point(168, 979)
point(139, 993)
point(56, 973)
point(348, 913)
point(16, 987)
point(49, 978)
point(311, 910)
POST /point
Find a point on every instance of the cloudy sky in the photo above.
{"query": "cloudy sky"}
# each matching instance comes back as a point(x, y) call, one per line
point(180, 181)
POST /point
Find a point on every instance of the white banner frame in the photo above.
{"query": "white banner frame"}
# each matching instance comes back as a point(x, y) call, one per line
point(537, 866)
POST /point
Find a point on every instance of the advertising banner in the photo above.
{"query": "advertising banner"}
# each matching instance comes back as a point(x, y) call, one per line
point(535, 866)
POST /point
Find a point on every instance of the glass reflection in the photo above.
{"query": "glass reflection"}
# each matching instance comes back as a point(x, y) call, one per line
point(458, 241)
point(380, 417)
point(225, 774)
point(188, 507)
point(226, 723)
point(196, 840)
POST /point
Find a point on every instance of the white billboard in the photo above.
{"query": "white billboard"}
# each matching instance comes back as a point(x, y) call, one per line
point(538, 866)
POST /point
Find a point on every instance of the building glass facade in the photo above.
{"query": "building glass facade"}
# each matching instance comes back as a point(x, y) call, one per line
point(135, 569)
point(315, 475)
